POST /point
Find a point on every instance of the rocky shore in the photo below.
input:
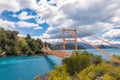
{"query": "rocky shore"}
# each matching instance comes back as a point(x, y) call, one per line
point(42, 77)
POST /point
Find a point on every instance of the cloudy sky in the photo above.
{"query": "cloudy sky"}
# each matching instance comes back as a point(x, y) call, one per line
point(46, 18)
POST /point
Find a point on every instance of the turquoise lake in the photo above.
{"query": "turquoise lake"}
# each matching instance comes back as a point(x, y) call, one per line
point(26, 68)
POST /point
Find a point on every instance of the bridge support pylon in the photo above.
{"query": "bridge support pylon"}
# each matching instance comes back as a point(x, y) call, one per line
point(66, 38)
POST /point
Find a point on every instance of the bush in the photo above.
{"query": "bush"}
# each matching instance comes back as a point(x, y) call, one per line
point(104, 71)
point(59, 74)
point(78, 61)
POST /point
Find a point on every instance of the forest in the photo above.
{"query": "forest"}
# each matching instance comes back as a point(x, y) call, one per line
point(13, 45)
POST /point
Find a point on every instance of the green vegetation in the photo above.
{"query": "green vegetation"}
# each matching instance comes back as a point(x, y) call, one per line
point(85, 66)
point(11, 44)
point(59, 73)
point(79, 61)
point(102, 71)
point(116, 56)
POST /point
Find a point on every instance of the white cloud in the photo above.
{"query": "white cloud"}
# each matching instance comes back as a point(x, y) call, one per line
point(14, 15)
point(99, 42)
point(24, 16)
point(7, 24)
point(22, 35)
point(113, 34)
point(9, 5)
point(28, 4)
point(37, 28)
point(91, 16)
point(16, 5)
point(24, 24)
point(116, 19)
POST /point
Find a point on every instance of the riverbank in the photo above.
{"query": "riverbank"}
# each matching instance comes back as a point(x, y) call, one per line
point(13, 45)
point(42, 77)
point(47, 75)
point(80, 64)
point(4, 55)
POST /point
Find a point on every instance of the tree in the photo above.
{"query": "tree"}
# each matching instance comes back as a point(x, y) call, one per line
point(15, 50)
point(77, 62)
point(97, 59)
point(12, 44)
point(7, 49)
point(14, 35)
point(28, 37)
point(0, 50)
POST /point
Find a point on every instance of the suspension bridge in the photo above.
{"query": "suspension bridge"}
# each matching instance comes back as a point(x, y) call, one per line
point(73, 33)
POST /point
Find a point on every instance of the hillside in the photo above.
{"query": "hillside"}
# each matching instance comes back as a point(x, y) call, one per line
point(13, 45)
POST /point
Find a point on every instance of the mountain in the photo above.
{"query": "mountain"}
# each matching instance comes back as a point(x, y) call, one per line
point(83, 45)
point(69, 46)
point(107, 46)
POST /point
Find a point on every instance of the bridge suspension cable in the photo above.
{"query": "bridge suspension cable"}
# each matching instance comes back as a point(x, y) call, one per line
point(100, 50)
point(69, 31)
point(100, 39)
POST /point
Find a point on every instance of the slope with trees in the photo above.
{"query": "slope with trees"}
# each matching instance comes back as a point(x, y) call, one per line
point(11, 44)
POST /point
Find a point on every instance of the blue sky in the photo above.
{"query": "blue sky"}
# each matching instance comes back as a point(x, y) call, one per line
point(46, 18)
point(8, 15)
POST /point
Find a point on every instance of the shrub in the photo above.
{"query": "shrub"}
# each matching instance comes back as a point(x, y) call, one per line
point(77, 62)
point(104, 71)
point(59, 74)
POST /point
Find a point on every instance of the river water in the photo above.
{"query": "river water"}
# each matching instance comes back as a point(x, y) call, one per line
point(26, 68)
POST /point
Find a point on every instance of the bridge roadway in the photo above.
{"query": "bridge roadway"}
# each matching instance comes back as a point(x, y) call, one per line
point(64, 55)
point(61, 54)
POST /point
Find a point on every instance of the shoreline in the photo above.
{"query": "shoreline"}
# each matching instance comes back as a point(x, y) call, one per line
point(21, 55)
point(42, 77)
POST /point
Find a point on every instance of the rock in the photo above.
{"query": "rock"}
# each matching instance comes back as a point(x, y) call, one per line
point(42, 77)
point(3, 54)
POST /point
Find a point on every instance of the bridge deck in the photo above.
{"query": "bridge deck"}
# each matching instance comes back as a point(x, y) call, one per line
point(60, 54)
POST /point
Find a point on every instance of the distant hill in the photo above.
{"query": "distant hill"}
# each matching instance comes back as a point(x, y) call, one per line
point(69, 46)
point(105, 46)
point(85, 45)
point(100, 46)
point(81, 46)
